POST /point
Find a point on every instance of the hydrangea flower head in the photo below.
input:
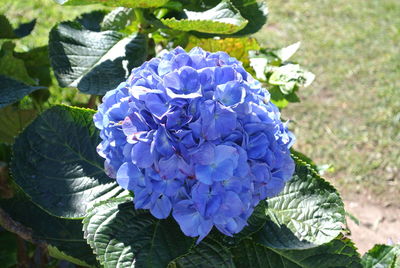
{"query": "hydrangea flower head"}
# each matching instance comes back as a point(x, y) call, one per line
point(195, 136)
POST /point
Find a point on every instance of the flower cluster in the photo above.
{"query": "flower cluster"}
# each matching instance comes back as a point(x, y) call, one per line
point(194, 134)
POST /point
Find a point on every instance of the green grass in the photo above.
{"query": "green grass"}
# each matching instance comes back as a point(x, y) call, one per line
point(350, 116)
point(47, 13)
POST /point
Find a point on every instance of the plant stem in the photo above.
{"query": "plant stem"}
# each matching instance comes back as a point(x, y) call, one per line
point(142, 22)
point(92, 102)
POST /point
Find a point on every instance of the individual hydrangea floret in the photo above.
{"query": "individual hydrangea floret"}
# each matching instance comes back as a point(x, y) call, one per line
point(193, 134)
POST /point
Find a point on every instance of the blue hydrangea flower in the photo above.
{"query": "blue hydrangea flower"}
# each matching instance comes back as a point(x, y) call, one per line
point(195, 136)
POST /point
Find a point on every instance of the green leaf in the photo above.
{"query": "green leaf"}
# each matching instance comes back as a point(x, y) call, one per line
point(8, 32)
point(56, 164)
point(37, 64)
point(255, 12)
point(209, 253)
point(222, 19)
point(382, 256)
point(8, 249)
point(94, 62)
point(6, 28)
point(5, 152)
point(124, 237)
point(58, 254)
point(307, 213)
point(12, 121)
point(66, 235)
point(304, 158)
point(118, 19)
point(288, 76)
point(13, 67)
point(116, 3)
point(12, 90)
point(235, 47)
point(339, 252)
point(92, 21)
point(24, 29)
point(281, 100)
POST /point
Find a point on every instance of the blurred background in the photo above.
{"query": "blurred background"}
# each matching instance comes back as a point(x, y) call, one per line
point(348, 119)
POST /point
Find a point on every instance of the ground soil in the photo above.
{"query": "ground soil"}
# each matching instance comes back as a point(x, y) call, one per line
point(379, 222)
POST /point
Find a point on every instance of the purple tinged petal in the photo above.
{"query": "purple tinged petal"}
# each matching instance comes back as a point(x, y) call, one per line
point(141, 155)
point(231, 93)
point(204, 173)
point(161, 206)
point(163, 143)
point(204, 154)
point(128, 176)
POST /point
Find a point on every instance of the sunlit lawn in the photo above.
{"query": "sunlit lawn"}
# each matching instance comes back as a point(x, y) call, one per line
point(350, 116)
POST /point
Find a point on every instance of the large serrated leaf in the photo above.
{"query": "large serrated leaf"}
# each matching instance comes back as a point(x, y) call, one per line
point(222, 19)
point(382, 256)
point(12, 121)
point(63, 234)
point(209, 253)
point(116, 3)
point(124, 237)
point(55, 162)
point(12, 90)
point(307, 213)
point(339, 252)
point(94, 62)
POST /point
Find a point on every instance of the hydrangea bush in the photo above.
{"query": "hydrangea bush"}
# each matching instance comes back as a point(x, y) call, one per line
point(167, 150)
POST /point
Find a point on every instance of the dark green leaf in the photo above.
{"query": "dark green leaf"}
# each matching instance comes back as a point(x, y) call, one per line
point(209, 253)
point(382, 256)
point(116, 3)
point(12, 90)
point(25, 29)
point(256, 12)
point(8, 249)
point(12, 121)
point(37, 64)
point(6, 28)
point(55, 162)
point(124, 237)
point(277, 97)
point(5, 152)
point(94, 62)
point(307, 213)
point(92, 21)
point(339, 252)
point(13, 67)
point(222, 19)
point(66, 235)
point(8, 32)
point(304, 158)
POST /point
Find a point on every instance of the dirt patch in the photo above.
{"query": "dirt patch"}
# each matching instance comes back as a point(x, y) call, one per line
point(379, 223)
